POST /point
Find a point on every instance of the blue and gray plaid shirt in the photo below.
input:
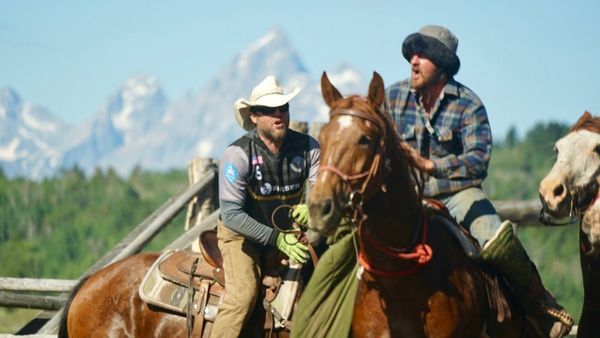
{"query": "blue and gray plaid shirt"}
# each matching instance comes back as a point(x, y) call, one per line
point(457, 135)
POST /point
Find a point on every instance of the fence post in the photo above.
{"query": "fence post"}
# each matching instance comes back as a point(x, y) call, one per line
point(204, 204)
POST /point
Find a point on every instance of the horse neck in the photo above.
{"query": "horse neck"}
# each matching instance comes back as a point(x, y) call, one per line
point(394, 214)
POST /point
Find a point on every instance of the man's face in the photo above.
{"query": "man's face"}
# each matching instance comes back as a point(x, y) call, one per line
point(271, 123)
point(424, 73)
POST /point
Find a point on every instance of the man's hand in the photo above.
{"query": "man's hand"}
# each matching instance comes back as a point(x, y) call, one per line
point(424, 164)
point(289, 245)
point(300, 214)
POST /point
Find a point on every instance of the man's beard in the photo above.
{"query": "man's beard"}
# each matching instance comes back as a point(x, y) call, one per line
point(275, 135)
point(428, 83)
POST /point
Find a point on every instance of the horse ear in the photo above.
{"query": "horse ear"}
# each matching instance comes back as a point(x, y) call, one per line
point(582, 120)
point(329, 92)
point(376, 90)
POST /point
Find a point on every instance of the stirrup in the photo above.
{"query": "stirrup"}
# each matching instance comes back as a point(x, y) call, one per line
point(552, 322)
point(557, 312)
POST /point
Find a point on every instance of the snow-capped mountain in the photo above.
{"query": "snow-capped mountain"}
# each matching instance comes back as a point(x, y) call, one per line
point(29, 137)
point(140, 126)
point(202, 124)
point(130, 113)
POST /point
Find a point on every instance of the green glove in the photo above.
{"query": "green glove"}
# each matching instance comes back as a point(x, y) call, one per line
point(289, 245)
point(300, 214)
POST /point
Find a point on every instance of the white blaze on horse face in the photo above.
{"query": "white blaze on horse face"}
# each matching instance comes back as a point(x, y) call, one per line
point(577, 159)
point(344, 122)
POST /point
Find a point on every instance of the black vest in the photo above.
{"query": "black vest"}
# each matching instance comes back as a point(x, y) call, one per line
point(275, 179)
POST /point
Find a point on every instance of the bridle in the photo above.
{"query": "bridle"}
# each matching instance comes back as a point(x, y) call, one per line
point(356, 197)
point(577, 207)
point(421, 252)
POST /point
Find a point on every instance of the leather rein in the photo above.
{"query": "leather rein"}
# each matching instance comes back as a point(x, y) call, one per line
point(421, 253)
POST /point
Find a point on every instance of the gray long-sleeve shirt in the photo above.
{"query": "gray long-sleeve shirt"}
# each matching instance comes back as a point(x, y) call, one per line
point(253, 182)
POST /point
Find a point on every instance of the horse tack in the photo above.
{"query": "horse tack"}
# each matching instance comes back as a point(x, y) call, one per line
point(421, 254)
point(375, 164)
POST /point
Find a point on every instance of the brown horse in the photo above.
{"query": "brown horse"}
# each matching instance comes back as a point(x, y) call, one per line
point(107, 304)
point(571, 190)
point(416, 281)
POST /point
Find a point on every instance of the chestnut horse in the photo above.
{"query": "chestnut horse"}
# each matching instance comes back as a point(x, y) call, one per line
point(416, 281)
point(571, 190)
point(107, 304)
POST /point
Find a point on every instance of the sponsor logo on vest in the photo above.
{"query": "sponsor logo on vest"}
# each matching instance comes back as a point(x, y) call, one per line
point(266, 189)
point(231, 172)
point(298, 164)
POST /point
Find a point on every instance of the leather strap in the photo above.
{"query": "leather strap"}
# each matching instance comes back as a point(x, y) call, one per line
point(199, 315)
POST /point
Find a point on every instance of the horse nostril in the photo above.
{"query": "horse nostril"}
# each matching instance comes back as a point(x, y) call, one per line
point(327, 207)
point(559, 190)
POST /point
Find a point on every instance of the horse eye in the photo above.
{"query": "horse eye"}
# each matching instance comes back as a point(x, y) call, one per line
point(597, 149)
point(364, 140)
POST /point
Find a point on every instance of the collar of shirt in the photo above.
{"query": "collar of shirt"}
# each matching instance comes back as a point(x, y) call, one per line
point(450, 88)
point(257, 140)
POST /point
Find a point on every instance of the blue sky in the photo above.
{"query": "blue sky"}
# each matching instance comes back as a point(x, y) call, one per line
point(529, 61)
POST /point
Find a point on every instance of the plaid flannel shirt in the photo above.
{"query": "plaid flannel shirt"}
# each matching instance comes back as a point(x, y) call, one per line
point(456, 137)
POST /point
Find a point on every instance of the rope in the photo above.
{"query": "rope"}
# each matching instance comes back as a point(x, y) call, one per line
point(421, 254)
point(300, 234)
point(188, 313)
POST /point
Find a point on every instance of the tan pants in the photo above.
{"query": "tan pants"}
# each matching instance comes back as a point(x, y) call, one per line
point(241, 262)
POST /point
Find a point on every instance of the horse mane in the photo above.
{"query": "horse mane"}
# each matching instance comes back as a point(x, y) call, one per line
point(587, 122)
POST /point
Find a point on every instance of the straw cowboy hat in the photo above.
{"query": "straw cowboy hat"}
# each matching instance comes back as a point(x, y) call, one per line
point(268, 93)
point(436, 43)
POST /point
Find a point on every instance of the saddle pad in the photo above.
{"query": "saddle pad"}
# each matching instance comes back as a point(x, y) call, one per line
point(163, 293)
point(155, 290)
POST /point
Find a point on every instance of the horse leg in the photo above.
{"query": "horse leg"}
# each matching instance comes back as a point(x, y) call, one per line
point(589, 326)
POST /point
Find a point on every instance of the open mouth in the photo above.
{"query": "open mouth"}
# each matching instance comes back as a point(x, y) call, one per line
point(415, 72)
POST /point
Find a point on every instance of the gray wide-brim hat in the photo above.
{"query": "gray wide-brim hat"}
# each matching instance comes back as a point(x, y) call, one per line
point(268, 93)
point(437, 44)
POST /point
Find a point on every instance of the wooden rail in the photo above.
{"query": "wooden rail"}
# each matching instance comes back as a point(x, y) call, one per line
point(525, 213)
point(27, 301)
point(36, 284)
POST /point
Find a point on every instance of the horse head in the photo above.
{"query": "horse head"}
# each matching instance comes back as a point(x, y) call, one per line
point(358, 146)
point(570, 189)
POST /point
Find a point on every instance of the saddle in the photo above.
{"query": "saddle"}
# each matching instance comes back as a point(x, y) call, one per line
point(192, 284)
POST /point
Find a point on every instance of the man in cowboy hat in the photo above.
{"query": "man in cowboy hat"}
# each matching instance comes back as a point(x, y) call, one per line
point(260, 171)
point(448, 136)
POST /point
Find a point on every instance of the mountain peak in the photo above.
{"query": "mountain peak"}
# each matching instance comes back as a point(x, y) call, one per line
point(272, 53)
point(274, 36)
point(9, 101)
point(140, 85)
